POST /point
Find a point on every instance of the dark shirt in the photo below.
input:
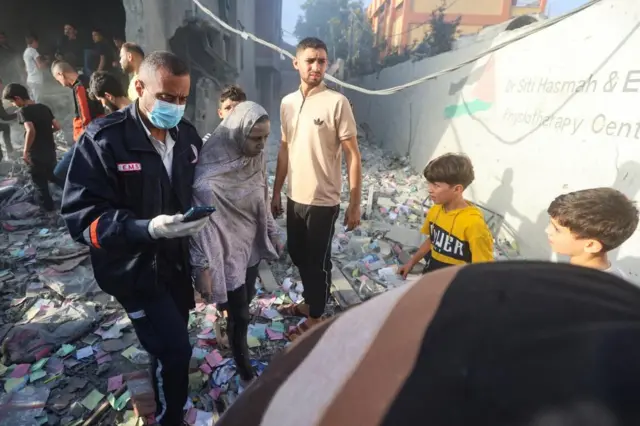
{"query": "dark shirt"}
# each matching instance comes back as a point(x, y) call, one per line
point(43, 149)
point(72, 51)
point(109, 51)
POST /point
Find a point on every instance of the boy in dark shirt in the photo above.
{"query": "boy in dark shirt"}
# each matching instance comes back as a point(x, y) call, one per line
point(39, 145)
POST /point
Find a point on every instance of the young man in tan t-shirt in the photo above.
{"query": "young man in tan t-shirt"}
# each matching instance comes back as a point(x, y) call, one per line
point(317, 126)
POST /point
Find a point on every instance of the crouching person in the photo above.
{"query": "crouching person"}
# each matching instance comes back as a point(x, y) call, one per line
point(129, 182)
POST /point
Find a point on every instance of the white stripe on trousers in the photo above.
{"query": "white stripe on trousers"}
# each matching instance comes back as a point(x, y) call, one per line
point(161, 397)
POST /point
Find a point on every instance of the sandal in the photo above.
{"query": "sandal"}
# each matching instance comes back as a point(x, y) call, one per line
point(291, 310)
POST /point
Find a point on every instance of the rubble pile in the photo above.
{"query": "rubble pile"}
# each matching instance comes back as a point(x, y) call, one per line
point(69, 353)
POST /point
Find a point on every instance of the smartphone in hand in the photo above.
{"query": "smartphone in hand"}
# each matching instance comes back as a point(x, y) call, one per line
point(195, 213)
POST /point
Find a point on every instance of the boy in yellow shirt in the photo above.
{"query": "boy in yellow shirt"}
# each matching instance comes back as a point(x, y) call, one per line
point(456, 231)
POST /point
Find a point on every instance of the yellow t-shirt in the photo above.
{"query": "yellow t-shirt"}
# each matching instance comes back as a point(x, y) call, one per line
point(457, 237)
point(132, 94)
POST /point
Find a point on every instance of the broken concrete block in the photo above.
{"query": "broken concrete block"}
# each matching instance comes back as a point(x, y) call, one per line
point(343, 290)
point(266, 276)
point(369, 208)
point(386, 202)
point(407, 237)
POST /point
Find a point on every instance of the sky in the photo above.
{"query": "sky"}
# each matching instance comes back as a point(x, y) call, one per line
point(291, 10)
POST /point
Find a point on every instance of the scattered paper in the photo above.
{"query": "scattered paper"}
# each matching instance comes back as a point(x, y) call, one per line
point(65, 350)
point(119, 403)
point(85, 352)
point(136, 355)
point(91, 401)
point(206, 369)
point(215, 393)
point(20, 370)
point(271, 314)
point(37, 375)
point(104, 358)
point(114, 383)
point(214, 358)
point(204, 419)
point(199, 353)
point(12, 385)
point(253, 342)
point(258, 330)
point(277, 326)
point(274, 335)
point(39, 365)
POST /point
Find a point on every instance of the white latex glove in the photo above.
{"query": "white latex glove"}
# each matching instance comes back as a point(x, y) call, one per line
point(165, 226)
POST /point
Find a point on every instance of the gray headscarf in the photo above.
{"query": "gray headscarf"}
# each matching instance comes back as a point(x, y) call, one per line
point(238, 235)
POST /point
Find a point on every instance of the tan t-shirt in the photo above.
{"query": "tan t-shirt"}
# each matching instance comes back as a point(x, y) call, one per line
point(313, 128)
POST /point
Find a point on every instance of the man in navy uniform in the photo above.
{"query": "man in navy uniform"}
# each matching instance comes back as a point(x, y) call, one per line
point(129, 183)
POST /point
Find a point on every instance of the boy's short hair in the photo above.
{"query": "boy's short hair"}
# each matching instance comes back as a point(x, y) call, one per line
point(452, 169)
point(15, 90)
point(601, 214)
point(234, 93)
point(102, 82)
point(31, 38)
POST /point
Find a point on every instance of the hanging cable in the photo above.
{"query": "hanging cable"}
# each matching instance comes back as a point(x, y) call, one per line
point(391, 90)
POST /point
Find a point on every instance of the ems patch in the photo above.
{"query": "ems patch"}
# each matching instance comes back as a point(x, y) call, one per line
point(129, 167)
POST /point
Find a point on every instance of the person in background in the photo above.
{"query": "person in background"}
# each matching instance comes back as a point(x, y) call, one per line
point(39, 146)
point(34, 64)
point(586, 225)
point(128, 186)
point(317, 127)
point(5, 128)
point(11, 64)
point(231, 175)
point(86, 109)
point(455, 229)
point(70, 48)
point(492, 344)
point(105, 51)
point(118, 41)
point(229, 98)
point(107, 89)
point(131, 56)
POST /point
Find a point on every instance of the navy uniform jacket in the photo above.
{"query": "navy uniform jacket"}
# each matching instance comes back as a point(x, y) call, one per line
point(113, 189)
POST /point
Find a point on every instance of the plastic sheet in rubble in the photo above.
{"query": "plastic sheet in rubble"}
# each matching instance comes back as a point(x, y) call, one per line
point(50, 326)
point(76, 283)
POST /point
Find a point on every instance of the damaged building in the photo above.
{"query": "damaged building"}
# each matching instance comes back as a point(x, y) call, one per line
point(216, 56)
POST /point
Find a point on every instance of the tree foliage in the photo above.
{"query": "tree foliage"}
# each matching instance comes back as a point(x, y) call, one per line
point(441, 35)
point(343, 25)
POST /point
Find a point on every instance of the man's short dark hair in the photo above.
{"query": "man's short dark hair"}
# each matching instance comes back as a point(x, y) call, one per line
point(166, 61)
point(31, 38)
point(72, 25)
point(602, 214)
point(133, 48)
point(452, 169)
point(98, 30)
point(235, 93)
point(15, 90)
point(311, 43)
point(102, 82)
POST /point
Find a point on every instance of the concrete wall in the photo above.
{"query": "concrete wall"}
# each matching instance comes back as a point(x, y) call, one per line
point(553, 113)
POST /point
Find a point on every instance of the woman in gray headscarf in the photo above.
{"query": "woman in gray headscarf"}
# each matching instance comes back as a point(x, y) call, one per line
point(231, 176)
